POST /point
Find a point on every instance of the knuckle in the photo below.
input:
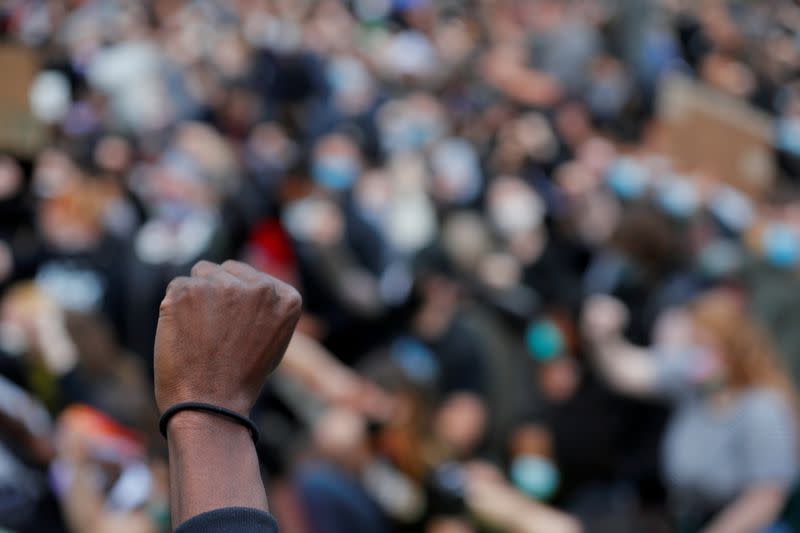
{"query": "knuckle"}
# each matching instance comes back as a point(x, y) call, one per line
point(175, 286)
point(182, 288)
point(201, 266)
point(291, 300)
point(268, 293)
point(227, 287)
point(264, 286)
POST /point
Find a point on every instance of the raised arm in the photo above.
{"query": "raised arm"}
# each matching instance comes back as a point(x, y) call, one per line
point(627, 368)
point(220, 334)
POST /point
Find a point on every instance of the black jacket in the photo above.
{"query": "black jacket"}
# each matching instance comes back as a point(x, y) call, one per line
point(230, 520)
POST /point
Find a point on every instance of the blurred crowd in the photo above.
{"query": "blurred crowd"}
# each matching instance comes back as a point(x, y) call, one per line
point(519, 314)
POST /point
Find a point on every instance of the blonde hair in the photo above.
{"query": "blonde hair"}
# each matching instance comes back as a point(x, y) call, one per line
point(748, 354)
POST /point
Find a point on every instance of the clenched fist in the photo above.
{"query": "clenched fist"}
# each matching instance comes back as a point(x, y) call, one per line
point(603, 317)
point(220, 333)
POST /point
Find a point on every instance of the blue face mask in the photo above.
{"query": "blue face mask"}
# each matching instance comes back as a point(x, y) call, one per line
point(415, 359)
point(678, 198)
point(544, 341)
point(606, 97)
point(720, 258)
point(788, 135)
point(335, 172)
point(411, 134)
point(627, 178)
point(175, 211)
point(421, 133)
point(535, 476)
point(659, 52)
point(780, 246)
point(732, 209)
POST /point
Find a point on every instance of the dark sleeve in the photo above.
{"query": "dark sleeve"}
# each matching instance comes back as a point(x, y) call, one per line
point(230, 520)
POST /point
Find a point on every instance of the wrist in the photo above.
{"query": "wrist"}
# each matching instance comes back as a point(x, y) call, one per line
point(203, 424)
point(605, 338)
point(213, 465)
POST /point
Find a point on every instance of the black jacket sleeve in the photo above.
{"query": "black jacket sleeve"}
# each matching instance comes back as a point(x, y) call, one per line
point(230, 520)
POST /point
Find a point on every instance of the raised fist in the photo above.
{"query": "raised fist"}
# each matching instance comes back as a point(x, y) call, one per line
point(603, 317)
point(220, 333)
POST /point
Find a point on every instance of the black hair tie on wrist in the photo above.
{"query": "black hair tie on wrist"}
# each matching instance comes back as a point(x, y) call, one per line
point(209, 408)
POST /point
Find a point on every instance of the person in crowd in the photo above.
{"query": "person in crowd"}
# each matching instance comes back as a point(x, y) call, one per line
point(446, 184)
point(730, 449)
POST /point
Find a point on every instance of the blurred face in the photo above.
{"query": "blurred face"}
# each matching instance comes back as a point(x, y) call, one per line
point(373, 194)
point(513, 207)
point(270, 148)
point(54, 173)
point(168, 188)
point(575, 180)
point(239, 111)
point(729, 75)
point(113, 154)
point(456, 172)
point(340, 436)
point(352, 84)
point(532, 439)
point(465, 239)
point(573, 124)
point(315, 220)
point(461, 422)
point(711, 364)
point(10, 178)
point(412, 124)
point(559, 378)
point(597, 216)
point(70, 224)
point(674, 328)
point(336, 164)
point(681, 337)
point(231, 55)
point(30, 320)
point(454, 41)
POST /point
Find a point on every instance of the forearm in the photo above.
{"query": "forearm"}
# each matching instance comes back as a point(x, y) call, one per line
point(82, 505)
point(756, 509)
point(505, 508)
point(308, 361)
point(213, 464)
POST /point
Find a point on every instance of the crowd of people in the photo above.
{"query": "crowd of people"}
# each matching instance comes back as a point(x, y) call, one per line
point(519, 313)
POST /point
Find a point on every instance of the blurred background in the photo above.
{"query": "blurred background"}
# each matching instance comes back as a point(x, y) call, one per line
point(548, 251)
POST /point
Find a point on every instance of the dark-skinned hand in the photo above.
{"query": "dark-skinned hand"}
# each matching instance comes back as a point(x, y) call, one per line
point(221, 332)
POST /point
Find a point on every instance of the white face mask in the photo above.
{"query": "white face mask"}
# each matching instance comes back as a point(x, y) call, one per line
point(514, 207)
point(411, 224)
point(159, 241)
point(50, 96)
point(314, 220)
